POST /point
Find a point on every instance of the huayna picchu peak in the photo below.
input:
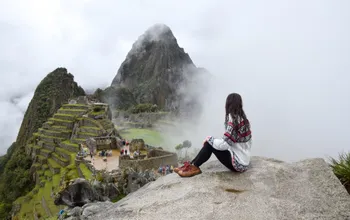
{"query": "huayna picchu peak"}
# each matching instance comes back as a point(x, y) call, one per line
point(157, 69)
point(54, 90)
point(54, 147)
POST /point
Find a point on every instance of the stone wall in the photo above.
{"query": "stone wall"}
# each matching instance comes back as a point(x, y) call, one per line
point(157, 153)
point(79, 100)
point(106, 143)
point(167, 158)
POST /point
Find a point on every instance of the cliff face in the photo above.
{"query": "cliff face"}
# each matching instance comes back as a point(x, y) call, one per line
point(15, 180)
point(117, 97)
point(269, 190)
point(157, 69)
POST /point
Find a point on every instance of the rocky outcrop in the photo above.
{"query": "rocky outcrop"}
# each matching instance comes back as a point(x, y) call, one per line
point(271, 189)
point(78, 193)
point(116, 97)
point(157, 71)
point(112, 185)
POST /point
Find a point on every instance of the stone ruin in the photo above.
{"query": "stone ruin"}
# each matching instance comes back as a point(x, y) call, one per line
point(154, 159)
point(79, 100)
point(91, 144)
point(102, 143)
point(137, 144)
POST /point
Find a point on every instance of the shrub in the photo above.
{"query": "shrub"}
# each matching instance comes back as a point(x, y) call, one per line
point(341, 168)
point(144, 107)
point(178, 147)
point(100, 177)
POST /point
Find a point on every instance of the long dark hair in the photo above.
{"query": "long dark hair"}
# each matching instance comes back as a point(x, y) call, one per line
point(234, 106)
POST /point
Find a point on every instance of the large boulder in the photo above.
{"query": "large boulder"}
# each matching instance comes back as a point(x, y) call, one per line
point(271, 189)
point(77, 193)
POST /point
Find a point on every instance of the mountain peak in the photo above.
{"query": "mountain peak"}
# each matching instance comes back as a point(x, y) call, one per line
point(159, 30)
point(155, 68)
point(158, 34)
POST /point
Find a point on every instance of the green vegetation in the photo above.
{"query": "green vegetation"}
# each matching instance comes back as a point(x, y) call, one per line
point(97, 113)
point(16, 183)
point(45, 166)
point(59, 157)
point(64, 151)
point(91, 120)
point(70, 143)
point(65, 106)
point(150, 137)
point(68, 173)
point(60, 120)
point(50, 183)
point(86, 172)
point(97, 109)
point(56, 127)
point(34, 201)
point(55, 89)
point(341, 168)
point(144, 107)
point(90, 127)
point(47, 173)
point(53, 163)
point(119, 197)
point(87, 134)
point(64, 115)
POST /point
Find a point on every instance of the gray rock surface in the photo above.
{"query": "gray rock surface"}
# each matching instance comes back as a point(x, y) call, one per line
point(93, 208)
point(76, 211)
point(271, 189)
point(77, 193)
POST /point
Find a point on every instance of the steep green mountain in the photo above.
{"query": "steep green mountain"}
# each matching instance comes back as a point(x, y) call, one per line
point(15, 180)
point(53, 149)
point(56, 88)
point(157, 70)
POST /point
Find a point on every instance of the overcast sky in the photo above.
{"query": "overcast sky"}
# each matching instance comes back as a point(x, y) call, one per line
point(290, 60)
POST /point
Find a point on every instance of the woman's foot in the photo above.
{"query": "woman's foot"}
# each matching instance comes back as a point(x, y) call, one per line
point(189, 171)
point(177, 169)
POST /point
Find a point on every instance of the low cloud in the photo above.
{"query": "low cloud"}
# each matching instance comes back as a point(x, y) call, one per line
point(288, 60)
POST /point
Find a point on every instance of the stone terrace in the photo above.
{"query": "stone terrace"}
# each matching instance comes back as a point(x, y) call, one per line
point(54, 148)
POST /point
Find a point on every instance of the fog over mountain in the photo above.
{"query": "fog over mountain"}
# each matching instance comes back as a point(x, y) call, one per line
point(288, 60)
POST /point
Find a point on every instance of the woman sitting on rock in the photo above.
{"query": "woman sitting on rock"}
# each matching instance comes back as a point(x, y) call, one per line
point(233, 149)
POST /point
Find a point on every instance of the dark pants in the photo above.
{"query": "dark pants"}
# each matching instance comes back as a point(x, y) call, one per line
point(204, 154)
